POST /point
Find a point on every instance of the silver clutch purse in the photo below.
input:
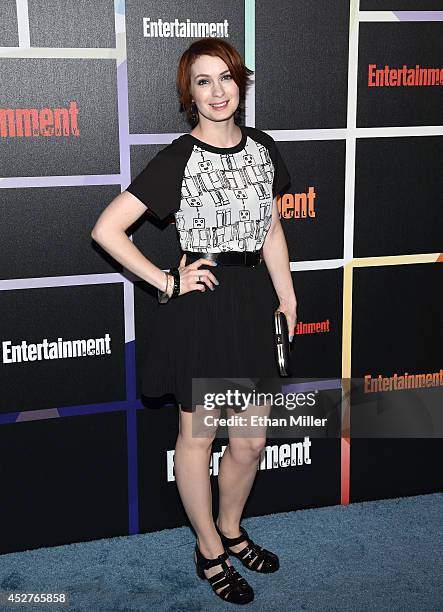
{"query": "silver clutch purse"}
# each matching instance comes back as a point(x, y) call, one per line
point(282, 344)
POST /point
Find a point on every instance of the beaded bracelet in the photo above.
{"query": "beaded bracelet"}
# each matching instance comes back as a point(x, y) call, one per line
point(176, 274)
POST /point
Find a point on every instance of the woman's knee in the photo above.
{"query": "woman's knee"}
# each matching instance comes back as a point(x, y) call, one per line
point(202, 445)
point(242, 448)
point(189, 437)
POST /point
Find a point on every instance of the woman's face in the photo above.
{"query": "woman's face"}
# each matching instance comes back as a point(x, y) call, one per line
point(212, 83)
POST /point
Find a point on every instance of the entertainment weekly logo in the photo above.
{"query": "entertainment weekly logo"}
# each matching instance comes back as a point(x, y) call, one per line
point(59, 349)
point(184, 29)
point(297, 205)
point(35, 122)
point(404, 76)
point(303, 328)
point(399, 382)
point(272, 457)
point(312, 327)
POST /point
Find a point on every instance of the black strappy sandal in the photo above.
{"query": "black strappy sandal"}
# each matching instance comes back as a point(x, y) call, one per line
point(235, 588)
point(268, 560)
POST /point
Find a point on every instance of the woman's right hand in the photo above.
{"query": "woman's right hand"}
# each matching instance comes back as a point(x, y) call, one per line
point(189, 275)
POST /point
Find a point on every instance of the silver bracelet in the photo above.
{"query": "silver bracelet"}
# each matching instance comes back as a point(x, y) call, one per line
point(163, 296)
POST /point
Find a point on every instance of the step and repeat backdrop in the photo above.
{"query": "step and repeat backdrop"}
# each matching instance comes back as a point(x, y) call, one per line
point(352, 93)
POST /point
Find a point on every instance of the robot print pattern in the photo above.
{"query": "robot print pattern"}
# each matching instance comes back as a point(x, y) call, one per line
point(226, 199)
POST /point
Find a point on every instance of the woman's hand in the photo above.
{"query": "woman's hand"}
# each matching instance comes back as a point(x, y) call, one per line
point(291, 317)
point(189, 275)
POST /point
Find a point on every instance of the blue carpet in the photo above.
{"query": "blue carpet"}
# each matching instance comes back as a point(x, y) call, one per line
point(374, 556)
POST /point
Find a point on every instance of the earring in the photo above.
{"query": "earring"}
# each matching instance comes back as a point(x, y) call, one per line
point(194, 112)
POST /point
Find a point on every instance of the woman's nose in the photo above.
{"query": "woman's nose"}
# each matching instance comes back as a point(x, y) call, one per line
point(218, 89)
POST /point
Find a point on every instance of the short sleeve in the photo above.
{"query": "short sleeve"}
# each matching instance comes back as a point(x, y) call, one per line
point(282, 177)
point(158, 185)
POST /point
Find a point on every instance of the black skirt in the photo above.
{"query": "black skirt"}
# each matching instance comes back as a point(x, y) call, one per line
point(213, 335)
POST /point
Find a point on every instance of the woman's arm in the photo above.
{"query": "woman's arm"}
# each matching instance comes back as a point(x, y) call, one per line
point(110, 233)
point(275, 254)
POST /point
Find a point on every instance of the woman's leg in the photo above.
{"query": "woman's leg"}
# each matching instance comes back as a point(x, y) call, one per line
point(191, 467)
point(237, 472)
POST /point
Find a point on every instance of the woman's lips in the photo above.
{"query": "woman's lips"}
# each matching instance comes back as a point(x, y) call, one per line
point(223, 106)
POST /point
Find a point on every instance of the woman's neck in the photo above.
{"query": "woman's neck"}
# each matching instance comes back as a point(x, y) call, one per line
point(222, 136)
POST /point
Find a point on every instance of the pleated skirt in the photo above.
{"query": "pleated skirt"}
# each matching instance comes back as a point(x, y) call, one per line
point(213, 336)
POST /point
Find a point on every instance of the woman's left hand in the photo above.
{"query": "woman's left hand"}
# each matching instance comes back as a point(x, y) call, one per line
point(291, 317)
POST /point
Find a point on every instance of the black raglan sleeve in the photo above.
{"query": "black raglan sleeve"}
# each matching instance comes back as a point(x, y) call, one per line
point(282, 178)
point(159, 184)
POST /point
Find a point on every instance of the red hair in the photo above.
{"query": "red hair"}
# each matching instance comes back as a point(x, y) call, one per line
point(216, 47)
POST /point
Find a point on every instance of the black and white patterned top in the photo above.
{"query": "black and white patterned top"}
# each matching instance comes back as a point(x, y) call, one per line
point(221, 197)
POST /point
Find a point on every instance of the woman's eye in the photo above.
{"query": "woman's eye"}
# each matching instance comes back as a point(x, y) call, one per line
point(206, 80)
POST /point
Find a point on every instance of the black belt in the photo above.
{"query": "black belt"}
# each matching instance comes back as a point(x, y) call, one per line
point(227, 258)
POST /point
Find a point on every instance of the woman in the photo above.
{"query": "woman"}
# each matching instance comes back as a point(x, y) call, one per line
point(220, 181)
